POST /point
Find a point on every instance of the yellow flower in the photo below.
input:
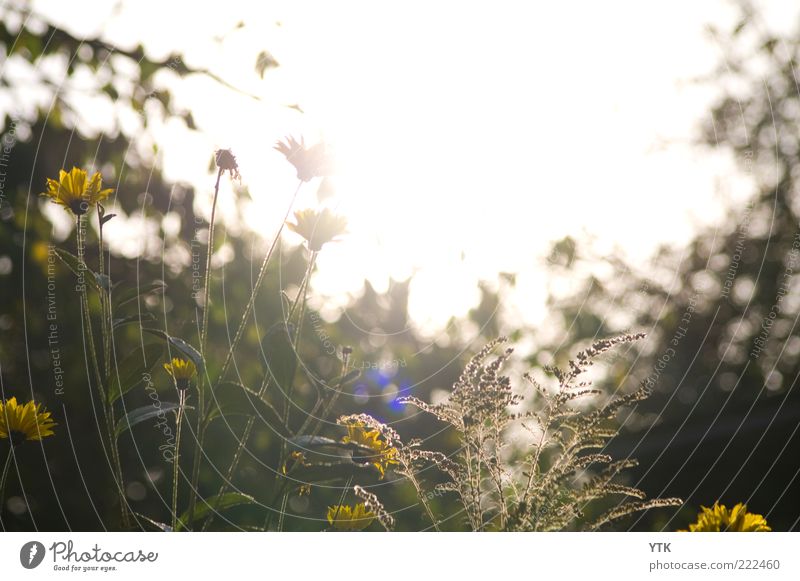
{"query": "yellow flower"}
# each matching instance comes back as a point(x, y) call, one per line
point(182, 371)
point(75, 191)
point(318, 227)
point(310, 162)
point(382, 454)
point(736, 520)
point(24, 422)
point(350, 518)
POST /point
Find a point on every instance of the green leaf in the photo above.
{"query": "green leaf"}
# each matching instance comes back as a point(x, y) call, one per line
point(180, 345)
point(135, 318)
point(304, 442)
point(359, 455)
point(143, 414)
point(130, 370)
point(206, 507)
point(159, 525)
point(311, 473)
point(80, 269)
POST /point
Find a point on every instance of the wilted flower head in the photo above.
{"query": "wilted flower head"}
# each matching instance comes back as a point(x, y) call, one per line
point(736, 520)
point(350, 518)
point(295, 458)
point(310, 162)
point(318, 227)
point(24, 422)
point(182, 371)
point(75, 191)
point(226, 161)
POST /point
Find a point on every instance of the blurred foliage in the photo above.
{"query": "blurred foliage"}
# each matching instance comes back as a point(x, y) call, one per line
point(67, 481)
point(723, 351)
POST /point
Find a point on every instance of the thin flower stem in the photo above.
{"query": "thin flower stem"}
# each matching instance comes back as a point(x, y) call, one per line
point(341, 500)
point(105, 300)
point(252, 302)
point(301, 299)
point(281, 492)
point(87, 319)
point(231, 469)
point(209, 252)
point(282, 513)
point(494, 475)
point(105, 319)
point(4, 477)
point(102, 295)
point(107, 329)
point(409, 472)
point(226, 483)
point(88, 322)
point(498, 483)
point(198, 448)
point(470, 506)
point(336, 393)
point(534, 469)
point(302, 292)
point(323, 416)
point(176, 459)
point(326, 411)
point(234, 344)
point(250, 421)
point(285, 480)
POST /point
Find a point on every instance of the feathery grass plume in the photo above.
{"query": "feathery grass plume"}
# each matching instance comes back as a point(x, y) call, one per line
point(382, 447)
point(719, 518)
point(540, 492)
point(375, 506)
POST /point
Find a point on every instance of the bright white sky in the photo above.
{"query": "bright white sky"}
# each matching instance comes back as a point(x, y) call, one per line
point(470, 135)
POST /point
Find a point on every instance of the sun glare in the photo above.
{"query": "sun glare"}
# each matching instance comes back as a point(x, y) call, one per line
point(461, 159)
